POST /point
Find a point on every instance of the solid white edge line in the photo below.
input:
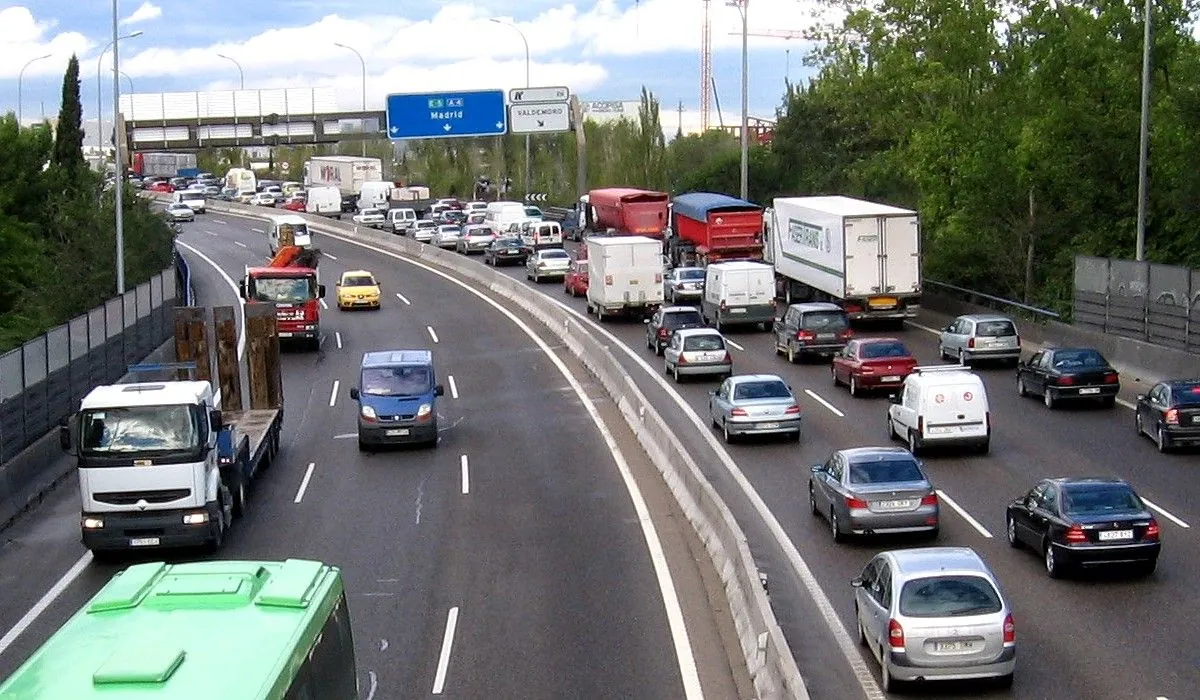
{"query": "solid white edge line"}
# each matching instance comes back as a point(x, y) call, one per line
point(304, 483)
point(439, 679)
point(45, 601)
point(453, 387)
point(1163, 512)
point(832, 409)
point(331, 257)
point(403, 298)
point(735, 345)
point(337, 384)
point(466, 475)
point(964, 514)
point(679, 635)
point(323, 304)
point(337, 335)
point(218, 221)
point(257, 230)
point(432, 333)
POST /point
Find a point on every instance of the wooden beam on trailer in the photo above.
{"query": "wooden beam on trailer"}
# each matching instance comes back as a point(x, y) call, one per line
point(191, 341)
point(262, 357)
point(229, 367)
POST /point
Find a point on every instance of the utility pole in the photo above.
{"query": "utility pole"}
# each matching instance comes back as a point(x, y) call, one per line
point(1144, 138)
point(681, 116)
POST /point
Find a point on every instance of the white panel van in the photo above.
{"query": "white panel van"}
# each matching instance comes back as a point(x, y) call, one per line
point(739, 293)
point(941, 405)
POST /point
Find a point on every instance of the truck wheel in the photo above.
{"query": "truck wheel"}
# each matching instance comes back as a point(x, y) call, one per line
point(240, 495)
point(218, 540)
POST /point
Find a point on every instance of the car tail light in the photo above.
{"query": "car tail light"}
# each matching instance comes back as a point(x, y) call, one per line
point(1076, 535)
point(895, 635)
point(683, 358)
point(1065, 381)
point(608, 280)
point(658, 277)
point(792, 410)
point(738, 412)
point(724, 305)
point(805, 335)
point(1111, 378)
point(920, 425)
point(852, 502)
point(847, 335)
point(1151, 530)
point(1018, 339)
point(852, 308)
point(930, 500)
point(1172, 416)
point(1010, 630)
point(971, 343)
point(662, 332)
point(987, 421)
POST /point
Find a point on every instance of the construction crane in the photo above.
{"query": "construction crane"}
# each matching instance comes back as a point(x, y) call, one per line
point(706, 76)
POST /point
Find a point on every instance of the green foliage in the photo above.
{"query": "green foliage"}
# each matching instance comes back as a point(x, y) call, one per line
point(68, 142)
point(57, 230)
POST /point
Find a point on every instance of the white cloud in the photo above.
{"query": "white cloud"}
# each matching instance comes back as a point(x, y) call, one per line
point(26, 38)
point(148, 11)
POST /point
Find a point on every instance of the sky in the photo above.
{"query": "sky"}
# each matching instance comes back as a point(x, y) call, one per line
point(600, 49)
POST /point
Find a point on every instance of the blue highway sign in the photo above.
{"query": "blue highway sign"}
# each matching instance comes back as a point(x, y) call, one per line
point(446, 115)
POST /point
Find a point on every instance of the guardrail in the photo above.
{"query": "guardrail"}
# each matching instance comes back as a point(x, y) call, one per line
point(768, 657)
point(976, 297)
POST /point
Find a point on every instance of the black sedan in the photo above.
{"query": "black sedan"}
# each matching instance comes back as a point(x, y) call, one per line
point(1170, 413)
point(1069, 374)
point(505, 250)
point(1084, 522)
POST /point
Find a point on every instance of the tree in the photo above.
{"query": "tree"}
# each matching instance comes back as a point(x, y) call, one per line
point(68, 141)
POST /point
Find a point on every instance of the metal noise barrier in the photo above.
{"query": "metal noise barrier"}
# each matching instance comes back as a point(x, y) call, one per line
point(768, 657)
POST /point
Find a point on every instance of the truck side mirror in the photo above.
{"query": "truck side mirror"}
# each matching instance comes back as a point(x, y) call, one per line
point(354, 393)
point(320, 291)
point(439, 390)
point(214, 419)
point(64, 438)
point(242, 288)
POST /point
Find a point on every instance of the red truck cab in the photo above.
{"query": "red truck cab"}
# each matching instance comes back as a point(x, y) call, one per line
point(707, 227)
point(296, 294)
point(629, 211)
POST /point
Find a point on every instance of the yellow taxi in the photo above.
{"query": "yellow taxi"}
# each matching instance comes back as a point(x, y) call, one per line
point(358, 289)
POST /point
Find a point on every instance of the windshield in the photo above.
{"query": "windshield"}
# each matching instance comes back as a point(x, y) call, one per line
point(555, 255)
point(825, 320)
point(1074, 359)
point(396, 381)
point(762, 390)
point(1100, 500)
point(284, 291)
point(508, 243)
point(704, 343)
point(358, 282)
point(425, 224)
point(949, 596)
point(682, 318)
point(448, 229)
point(994, 329)
point(890, 349)
point(885, 472)
point(694, 273)
point(191, 195)
point(139, 429)
point(1186, 393)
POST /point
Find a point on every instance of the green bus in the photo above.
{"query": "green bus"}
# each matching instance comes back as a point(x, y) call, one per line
point(228, 630)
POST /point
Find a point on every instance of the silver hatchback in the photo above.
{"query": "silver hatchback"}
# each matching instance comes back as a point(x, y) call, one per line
point(694, 351)
point(873, 490)
point(934, 613)
point(980, 337)
point(754, 404)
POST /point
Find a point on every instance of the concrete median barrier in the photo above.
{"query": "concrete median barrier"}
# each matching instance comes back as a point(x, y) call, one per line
point(768, 657)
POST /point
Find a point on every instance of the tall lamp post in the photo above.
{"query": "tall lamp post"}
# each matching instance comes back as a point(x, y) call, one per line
point(528, 168)
point(241, 75)
point(118, 159)
point(364, 89)
point(20, 79)
point(741, 5)
point(100, 85)
point(1144, 138)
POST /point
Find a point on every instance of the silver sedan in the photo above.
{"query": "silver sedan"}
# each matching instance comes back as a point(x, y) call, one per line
point(754, 404)
point(695, 351)
point(873, 490)
point(683, 284)
point(549, 262)
point(447, 236)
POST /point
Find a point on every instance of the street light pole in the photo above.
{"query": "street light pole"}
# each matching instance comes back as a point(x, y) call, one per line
point(1144, 138)
point(528, 165)
point(241, 75)
point(743, 8)
point(364, 91)
point(100, 84)
point(20, 78)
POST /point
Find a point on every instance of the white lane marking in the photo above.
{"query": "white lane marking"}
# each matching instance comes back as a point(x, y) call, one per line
point(239, 243)
point(337, 335)
point(432, 333)
point(1163, 512)
point(466, 475)
point(374, 679)
point(44, 602)
point(679, 634)
point(403, 298)
point(258, 230)
point(735, 345)
point(304, 484)
point(965, 515)
point(331, 257)
point(218, 221)
point(240, 309)
point(211, 233)
point(1127, 404)
point(333, 394)
point(453, 387)
point(439, 680)
point(323, 304)
point(833, 409)
point(345, 436)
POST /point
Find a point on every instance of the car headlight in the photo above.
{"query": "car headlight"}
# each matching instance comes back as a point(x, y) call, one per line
point(424, 410)
point(368, 412)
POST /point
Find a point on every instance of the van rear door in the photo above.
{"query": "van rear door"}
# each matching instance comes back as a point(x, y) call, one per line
point(956, 410)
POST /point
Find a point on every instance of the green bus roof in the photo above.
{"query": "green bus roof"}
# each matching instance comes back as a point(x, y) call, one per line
point(220, 629)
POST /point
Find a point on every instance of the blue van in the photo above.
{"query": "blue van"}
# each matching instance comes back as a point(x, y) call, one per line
point(397, 395)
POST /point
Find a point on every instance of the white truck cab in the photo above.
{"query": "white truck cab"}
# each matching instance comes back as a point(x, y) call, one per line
point(941, 405)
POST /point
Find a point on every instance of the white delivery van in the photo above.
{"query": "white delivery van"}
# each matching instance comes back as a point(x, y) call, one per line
point(625, 275)
point(374, 195)
point(738, 293)
point(326, 201)
point(536, 235)
point(500, 215)
point(400, 220)
point(193, 199)
point(282, 225)
point(941, 405)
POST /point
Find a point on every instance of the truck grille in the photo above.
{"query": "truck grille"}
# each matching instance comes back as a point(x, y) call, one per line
point(128, 498)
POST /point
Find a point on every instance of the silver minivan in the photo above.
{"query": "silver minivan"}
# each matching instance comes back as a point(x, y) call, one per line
point(934, 613)
point(976, 337)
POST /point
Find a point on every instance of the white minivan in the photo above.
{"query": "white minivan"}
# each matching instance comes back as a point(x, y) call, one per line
point(374, 195)
point(326, 201)
point(288, 226)
point(400, 220)
point(500, 215)
point(738, 293)
point(941, 405)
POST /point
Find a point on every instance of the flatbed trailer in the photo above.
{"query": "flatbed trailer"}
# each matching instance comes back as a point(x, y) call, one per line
point(246, 446)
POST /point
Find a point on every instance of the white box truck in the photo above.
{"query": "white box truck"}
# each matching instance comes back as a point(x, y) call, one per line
point(626, 275)
point(347, 173)
point(863, 256)
point(738, 293)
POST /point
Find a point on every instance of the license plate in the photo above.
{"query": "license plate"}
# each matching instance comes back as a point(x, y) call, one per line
point(1089, 391)
point(285, 335)
point(881, 302)
point(954, 646)
point(768, 426)
point(942, 430)
point(894, 505)
point(398, 432)
point(143, 542)
point(1116, 535)
point(825, 336)
point(891, 379)
point(737, 311)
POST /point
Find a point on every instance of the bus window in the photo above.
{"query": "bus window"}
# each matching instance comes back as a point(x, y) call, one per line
point(328, 673)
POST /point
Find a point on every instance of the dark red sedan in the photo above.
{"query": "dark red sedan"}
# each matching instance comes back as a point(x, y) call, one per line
point(872, 363)
point(575, 282)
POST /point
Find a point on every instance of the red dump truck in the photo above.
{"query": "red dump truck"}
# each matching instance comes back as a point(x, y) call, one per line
point(627, 211)
point(290, 282)
point(707, 227)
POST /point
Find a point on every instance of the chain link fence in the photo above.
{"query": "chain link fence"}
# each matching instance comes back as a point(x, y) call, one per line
point(44, 380)
point(1156, 303)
